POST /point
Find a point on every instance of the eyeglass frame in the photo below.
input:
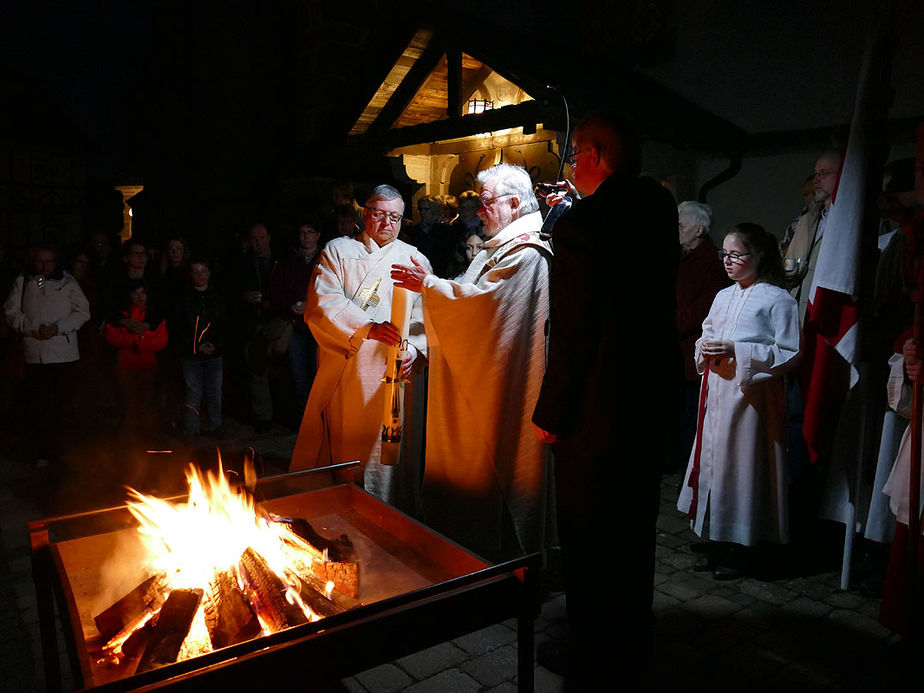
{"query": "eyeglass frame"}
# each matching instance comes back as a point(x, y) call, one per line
point(380, 214)
point(732, 257)
point(824, 173)
point(485, 202)
point(572, 157)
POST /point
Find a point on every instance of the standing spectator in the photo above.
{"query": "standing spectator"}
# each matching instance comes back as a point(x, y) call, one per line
point(252, 279)
point(346, 214)
point(135, 265)
point(736, 485)
point(464, 254)
point(103, 262)
point(90, 389)
point(287, 291)
point(467, 221)
point(450, 207)
point(198, 327)
point(606, 341)
point(174, 280)
point(432, 236)
point(174, 269)
point(803, 248)
point(46, 307)
point(137, 343)
point(700, 276)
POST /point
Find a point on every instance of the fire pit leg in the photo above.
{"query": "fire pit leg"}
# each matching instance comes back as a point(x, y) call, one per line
point(526, 624)
point(45, 595)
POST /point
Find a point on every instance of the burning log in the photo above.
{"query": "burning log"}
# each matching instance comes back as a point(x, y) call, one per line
point(311, 592)
point(170, 629)
point(339, 549)
point(332, 558)
point(268, 593)
point(229, 617)
point(130, 610)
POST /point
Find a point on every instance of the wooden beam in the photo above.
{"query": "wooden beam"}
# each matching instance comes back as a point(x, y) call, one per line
point(526, 113)
point(405, 92)
point(470, 85)
point(454, 79)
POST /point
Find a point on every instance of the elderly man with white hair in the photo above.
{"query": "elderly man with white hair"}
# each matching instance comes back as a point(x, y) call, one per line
point(485, 480)
point(348, 309)
point(700, 276)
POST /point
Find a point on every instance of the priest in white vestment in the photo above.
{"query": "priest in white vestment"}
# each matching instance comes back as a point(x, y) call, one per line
point(485, 477)
point(348, 309)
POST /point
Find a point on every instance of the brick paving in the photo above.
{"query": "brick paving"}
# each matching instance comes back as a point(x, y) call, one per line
point(788, 630)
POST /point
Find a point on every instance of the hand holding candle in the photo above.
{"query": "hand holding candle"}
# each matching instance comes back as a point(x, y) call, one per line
point(395, 370)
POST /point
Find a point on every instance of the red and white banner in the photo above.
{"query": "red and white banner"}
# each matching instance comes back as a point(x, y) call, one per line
point(831, 330)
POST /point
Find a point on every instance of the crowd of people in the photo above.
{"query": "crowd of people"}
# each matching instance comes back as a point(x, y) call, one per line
point(517, 360)
point(157, 338)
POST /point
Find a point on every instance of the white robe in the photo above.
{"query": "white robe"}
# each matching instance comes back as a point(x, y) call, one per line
point(487, 358)
point(742, 489)
point(898, 485)
point(343, 416)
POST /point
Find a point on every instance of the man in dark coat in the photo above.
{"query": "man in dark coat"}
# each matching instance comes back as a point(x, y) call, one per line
point(614, 373)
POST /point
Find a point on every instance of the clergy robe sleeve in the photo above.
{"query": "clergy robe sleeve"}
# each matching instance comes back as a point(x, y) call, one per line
point(332, 316)
point(473, 322)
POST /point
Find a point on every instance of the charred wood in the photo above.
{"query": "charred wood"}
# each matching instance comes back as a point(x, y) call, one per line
point(339, 549)
point(128, 611)
point(267, 592)
point(229, 617)
point(344, 575)
point(171, 628)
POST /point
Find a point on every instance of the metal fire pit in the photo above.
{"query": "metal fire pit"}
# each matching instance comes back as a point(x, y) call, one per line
point(417, 589)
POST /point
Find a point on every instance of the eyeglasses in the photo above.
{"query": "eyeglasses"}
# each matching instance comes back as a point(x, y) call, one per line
point(732, 256)
point(381, 215)
point(485, 201)
point(823, 173)
point(572, 157)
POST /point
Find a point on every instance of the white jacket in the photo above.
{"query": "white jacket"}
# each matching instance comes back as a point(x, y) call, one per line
point(59, 301)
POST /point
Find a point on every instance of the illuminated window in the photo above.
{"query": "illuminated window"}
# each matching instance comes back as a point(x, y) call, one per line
point(479, 106)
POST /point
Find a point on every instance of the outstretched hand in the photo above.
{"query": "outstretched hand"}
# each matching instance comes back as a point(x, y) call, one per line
point(409, 277)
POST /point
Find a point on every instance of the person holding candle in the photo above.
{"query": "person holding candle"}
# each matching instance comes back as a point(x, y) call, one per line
point(735, 489)
point(348, 310)
point(487, 488)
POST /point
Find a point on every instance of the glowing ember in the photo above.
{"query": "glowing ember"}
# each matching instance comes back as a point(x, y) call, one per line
point(234, 574)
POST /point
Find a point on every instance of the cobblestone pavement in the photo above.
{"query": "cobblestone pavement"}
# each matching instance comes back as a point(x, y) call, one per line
point(789, 627)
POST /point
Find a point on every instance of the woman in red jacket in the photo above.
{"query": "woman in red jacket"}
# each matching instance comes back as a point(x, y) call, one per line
point(138, 336)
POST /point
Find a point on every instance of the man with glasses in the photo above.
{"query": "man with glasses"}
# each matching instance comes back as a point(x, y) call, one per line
point(802, 254)
point(610, 399)
point(485, 482)
point(348, 308)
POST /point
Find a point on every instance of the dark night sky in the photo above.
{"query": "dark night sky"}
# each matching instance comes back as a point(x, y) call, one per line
point(87, 56)
point(762, 66)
